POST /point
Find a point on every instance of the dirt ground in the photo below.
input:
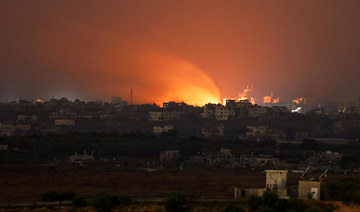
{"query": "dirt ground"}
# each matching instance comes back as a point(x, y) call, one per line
point(24, 184)
point(209, 207)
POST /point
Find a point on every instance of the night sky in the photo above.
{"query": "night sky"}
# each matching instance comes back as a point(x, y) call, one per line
point(192, 51)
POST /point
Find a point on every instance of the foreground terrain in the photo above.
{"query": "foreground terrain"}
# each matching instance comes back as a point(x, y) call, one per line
point(26, 183)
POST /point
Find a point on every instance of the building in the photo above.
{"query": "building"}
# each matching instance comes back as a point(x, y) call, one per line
point(64, 122)
point(117, 101)
point(225, 151)
point(169, 155)
point(257, 131)
point(159, 129)
point(309, 190)
point(23, 127)
point(164, 116)
point(4, 147)
point(208, 111)
point(80, 159)
point(256, 112)
point(224, 113)
point(7, 129)
point(276, 181)
point(22, 117)
point(209, 132)
point(241, 107)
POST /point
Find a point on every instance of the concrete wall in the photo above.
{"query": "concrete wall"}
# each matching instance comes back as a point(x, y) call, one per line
point(276, 179)
point(309, 187)
point(245, 193)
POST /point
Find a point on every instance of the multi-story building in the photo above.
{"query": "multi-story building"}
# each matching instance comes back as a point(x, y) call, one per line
point(164, 116)
point(224, 113)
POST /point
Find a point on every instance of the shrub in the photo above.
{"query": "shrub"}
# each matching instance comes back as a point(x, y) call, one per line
point(270, 199)
point(233, 208)
point(125, 200)
point(313, 209)
point(254, 202)
point(175, 202)
point(346, 197)
point(67, 195)
point(296, 205)
point(356, 198)
point(51, 196)
point(281, 205)
point(266, 209)
point(79, 201)
point(105, 203)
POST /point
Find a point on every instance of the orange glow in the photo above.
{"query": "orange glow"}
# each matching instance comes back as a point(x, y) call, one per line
point(268, 99)
point(271, 99)
point(301, 100)
point(182, 81)
point(242, 96)
point(277, 100)
point(39, 101)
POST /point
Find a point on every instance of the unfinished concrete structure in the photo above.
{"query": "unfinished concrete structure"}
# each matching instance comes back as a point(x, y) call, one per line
point(309, 190)
point(276, 181)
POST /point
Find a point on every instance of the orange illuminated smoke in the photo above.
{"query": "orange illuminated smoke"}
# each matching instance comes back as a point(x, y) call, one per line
point(182, 81)
point(243, 96)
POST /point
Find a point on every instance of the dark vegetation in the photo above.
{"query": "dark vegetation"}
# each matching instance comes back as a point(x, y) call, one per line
point(106, 202)
point(175, 202)
point(79, 201)
point(270, 202)
point(58, 196)
point(346, 189)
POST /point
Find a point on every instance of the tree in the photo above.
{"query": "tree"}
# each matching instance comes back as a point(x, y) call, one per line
point(79, 201)
point(254, 202)
point(270, 199)
point(105, 203)
point(175, 202)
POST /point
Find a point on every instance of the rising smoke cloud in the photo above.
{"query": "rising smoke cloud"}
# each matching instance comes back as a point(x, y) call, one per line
point(192, 51)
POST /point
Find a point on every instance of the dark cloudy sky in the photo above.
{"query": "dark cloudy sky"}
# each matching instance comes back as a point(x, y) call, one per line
point(179, 50)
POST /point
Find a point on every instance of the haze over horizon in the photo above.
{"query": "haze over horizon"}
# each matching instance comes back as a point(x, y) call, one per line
point(191, 51)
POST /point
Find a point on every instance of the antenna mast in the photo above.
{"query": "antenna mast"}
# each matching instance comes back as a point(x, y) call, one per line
point(131, 96)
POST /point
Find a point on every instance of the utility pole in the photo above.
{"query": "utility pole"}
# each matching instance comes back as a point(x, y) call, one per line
point(131, 96)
